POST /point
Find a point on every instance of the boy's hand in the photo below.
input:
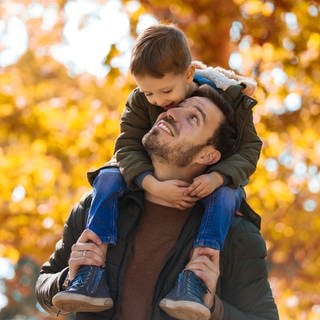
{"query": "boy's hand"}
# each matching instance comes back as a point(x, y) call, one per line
point(205, 184)
point(223, 79)
point(250, 83)
point(171, 192)
point(198, 64)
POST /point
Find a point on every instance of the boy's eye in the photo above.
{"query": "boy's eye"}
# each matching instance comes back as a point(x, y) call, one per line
point(148, 94)
point(167, 91)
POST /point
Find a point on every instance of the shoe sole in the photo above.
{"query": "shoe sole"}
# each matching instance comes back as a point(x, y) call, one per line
point(72, 302)
point(185, 310)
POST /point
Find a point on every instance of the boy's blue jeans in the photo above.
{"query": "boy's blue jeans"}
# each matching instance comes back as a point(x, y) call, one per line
point(220, 207)
point(109, 186)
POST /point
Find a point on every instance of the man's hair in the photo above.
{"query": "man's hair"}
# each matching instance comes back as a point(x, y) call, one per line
point(224, 137)
point(158, 50)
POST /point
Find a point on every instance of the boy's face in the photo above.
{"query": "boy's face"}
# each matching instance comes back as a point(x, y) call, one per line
point(168, 91)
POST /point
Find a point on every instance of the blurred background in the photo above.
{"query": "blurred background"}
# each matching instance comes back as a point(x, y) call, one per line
point(63, 84)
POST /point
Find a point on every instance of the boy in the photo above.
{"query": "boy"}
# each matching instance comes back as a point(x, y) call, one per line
point(162, 67)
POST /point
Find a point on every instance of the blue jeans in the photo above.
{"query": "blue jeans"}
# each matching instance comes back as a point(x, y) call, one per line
point(220, 207)
point(109, 186)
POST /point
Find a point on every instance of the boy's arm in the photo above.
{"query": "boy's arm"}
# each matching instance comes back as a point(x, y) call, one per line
point(136, 120)
point(239, 166)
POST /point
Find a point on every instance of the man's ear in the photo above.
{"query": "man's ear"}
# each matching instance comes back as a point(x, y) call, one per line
point(189, 74)
point(208, 156)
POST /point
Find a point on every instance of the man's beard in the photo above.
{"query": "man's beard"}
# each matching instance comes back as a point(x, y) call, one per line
point(178, 155)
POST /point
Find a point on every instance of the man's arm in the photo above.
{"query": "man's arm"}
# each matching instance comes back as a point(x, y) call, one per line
point(245, 291)
point(54, 272)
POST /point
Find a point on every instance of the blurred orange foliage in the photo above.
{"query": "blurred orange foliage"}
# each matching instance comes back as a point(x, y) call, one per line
point(55, 127)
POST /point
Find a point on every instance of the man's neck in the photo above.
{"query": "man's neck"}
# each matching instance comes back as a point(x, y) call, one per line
point(164, 171)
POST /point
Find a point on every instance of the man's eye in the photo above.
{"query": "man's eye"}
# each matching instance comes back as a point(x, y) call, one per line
point(194, 119)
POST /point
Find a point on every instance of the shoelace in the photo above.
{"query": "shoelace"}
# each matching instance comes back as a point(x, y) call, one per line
point(189, 283)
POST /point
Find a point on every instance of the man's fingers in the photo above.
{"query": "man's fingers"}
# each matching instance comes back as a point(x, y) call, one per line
point(76, 263)
point(85, 256)
point(205, 269)
point(201, 262)
point(209, 252)
point(90, 258)
point(88, 235)
point(88, 246)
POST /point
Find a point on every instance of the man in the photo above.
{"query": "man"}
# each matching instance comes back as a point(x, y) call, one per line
point(155, 240)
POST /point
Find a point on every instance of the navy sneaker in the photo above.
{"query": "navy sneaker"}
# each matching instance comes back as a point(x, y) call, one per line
point(87, 292)
point(185, 300)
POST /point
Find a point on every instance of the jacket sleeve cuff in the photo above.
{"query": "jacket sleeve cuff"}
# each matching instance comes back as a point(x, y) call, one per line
point(227, 181)
point(45, 294)
point(216, 309)
point(140, 177)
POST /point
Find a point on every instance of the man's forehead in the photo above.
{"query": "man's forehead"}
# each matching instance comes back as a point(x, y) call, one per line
point(203, 102)
point(208, 107)
point(197, 99)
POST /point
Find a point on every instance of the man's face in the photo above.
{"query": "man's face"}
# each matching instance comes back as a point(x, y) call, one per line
point(181, 132)
point(165, 92)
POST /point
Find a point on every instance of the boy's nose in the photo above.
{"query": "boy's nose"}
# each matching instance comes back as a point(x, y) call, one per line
point(159, 102)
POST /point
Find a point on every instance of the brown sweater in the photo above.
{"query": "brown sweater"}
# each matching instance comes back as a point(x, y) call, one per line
point(155, 236)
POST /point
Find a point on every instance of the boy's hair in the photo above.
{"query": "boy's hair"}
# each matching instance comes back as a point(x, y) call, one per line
point(158, 50)
point(224, 137)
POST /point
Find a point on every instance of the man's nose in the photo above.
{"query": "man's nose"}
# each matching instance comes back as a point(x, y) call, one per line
point(172, 114)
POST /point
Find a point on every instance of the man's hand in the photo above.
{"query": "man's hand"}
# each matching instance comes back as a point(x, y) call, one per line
point(86, 251)
point(205, 184)
point(205, 264)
